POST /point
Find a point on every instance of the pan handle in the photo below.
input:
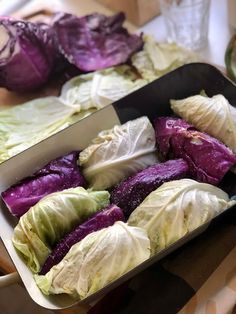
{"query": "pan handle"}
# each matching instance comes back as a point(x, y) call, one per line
point(9, 279)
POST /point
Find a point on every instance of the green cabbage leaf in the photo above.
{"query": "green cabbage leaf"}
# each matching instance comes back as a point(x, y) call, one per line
point(25, 125)
point(101, 88)
point(157, 59)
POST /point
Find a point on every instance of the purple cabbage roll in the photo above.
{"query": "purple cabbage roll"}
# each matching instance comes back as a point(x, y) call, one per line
point(130, 193)
point(208, 158)
point(105, 218)
point(59, 174)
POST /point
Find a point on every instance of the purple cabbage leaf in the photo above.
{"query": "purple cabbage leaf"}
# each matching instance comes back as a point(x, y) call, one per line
point(59, 174)
point(208, 158)
point(130, 193)
point(95, 41)
point(105, 218)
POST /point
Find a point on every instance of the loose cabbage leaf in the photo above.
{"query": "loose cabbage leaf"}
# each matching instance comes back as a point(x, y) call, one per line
point(208, 159)
point(51, 218)
point(98, 89)
point(133, 190)
point(119, 152)
point(59, 174)
point(177, 208)
point(27, 54)
point(95, 41)
point(157, 59)
point(25, 125)
point(213, 115)
point(97, 260)
point(105, 218)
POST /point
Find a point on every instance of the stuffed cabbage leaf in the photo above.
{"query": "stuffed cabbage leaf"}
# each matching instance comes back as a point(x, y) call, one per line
point(51, 218)
point(177, 208)
point(119, 152)
point(59, 174)
point(129, 193)
point(97, 260)
point(213, 115)
point(105, 218)
point(208, 159)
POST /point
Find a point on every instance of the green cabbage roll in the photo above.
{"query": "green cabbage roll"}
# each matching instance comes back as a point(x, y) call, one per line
point(51, 218)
